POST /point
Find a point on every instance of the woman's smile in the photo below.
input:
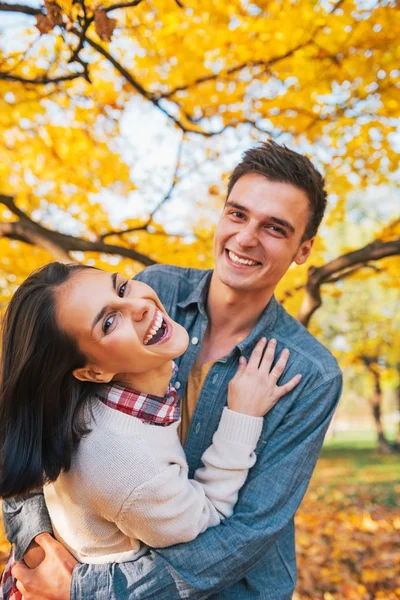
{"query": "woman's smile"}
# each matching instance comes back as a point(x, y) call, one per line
point(119, 324)
point(159, 330)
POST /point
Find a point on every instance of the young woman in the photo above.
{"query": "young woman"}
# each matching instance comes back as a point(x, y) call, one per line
point(87, 411)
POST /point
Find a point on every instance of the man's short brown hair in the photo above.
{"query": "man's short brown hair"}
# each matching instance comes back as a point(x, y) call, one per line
point(280, 164)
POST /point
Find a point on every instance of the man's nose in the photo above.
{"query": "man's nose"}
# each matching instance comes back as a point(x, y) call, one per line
point(247, 237)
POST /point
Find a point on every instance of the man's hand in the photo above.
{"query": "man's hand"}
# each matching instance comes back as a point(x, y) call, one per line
point(51, 579)
point(34, 555)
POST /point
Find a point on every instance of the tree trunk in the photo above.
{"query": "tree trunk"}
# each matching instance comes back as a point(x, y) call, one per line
point(376, 404)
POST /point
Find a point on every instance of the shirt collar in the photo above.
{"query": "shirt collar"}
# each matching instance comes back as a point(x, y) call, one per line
point(199, 293)
point(157, 410)
point(265, 322)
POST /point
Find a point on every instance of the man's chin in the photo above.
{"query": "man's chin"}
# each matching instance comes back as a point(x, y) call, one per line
point(235, 282)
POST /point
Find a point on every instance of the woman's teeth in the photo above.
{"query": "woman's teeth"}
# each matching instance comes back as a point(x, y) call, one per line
point(240, 261)
point(155, 327)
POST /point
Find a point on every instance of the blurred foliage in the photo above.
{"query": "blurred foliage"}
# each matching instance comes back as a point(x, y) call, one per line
point(325, 74)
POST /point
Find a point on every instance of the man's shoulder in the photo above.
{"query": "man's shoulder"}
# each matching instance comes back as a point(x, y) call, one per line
point(172, 284)
point(187, 277)
point(305, 346)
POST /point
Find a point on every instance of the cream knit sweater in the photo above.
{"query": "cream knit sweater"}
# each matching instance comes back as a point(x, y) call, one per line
point(128, 485)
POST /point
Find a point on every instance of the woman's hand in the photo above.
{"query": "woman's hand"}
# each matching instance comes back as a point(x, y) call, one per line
point(254, 390)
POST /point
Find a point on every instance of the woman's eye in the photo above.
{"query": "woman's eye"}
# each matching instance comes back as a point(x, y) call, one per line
point(122, 289)
point(108, 322)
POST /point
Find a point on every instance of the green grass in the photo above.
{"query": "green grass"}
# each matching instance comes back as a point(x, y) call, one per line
point(355, 468)
point(365, 439)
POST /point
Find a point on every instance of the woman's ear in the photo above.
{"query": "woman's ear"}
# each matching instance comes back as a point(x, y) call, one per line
point(93, 374)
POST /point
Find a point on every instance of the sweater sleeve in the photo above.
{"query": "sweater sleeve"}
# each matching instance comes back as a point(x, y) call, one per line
point(170, 508)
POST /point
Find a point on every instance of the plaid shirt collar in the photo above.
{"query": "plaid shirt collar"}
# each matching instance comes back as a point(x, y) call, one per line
point(156, 410)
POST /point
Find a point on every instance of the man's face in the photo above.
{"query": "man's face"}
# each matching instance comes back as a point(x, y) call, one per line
point(259, 233)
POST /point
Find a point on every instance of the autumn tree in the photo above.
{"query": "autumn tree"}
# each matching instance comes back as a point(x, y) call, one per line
point(330, 84)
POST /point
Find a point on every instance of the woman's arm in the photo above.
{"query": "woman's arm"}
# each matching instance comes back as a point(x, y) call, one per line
point(170, 508)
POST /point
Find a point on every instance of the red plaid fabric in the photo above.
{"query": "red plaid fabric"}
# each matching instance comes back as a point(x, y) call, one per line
point(8, 589)
point(156, 410)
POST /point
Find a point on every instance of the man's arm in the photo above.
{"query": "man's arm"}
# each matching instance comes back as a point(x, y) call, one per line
point(224, 554)
point(24, 518)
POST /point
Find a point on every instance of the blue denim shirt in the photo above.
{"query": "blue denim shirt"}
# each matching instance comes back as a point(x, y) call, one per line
point(252, 554)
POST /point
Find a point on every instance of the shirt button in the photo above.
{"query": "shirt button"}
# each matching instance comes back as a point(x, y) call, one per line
point(195, 340)
point(177, 385)
point(197, 428)
point(215, 378)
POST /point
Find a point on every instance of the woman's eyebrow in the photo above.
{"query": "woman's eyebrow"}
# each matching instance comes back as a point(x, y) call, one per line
point(103, 311)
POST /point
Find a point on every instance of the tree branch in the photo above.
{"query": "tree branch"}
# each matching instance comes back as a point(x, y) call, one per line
point(57, 243)
point(232, 70)
point(339, 268)
point(41, 80)
point(20, 8)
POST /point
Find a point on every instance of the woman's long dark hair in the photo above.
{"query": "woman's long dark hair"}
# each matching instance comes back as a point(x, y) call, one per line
point(40, 400)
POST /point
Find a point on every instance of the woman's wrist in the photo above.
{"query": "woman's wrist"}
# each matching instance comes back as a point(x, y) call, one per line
point(240, 428)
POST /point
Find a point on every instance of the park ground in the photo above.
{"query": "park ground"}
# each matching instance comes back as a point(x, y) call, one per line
point(348, 526)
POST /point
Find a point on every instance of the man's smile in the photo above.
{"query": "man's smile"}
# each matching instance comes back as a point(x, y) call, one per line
point(240, 260)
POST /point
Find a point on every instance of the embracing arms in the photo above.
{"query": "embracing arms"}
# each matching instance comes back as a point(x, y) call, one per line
point(224, 554)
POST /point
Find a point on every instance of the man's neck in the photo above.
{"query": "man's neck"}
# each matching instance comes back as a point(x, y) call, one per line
point(234, 312)
point(154, 382)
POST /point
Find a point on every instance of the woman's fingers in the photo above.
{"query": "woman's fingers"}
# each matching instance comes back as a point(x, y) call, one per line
point(281, 390)
point(256, 355)
point(280, 364)
point(269, 356)
point(240, 369)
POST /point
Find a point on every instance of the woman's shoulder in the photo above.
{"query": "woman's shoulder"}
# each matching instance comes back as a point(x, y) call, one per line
point(123, 448)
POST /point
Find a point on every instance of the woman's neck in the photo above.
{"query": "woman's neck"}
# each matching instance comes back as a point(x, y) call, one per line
point(154, 382)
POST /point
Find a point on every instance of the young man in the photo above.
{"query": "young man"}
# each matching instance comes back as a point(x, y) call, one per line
point(274, 206)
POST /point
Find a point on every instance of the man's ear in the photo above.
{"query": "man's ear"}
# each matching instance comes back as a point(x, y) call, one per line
point(304, 251)
point(93, 374)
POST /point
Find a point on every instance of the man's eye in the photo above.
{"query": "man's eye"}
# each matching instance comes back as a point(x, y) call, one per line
point(277, 229)
point(122, 289)
point(237, 215)
point(108, 322)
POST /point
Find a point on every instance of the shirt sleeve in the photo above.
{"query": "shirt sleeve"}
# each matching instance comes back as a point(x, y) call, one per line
point(224, 554)
point(24, 518)
point(170, 508)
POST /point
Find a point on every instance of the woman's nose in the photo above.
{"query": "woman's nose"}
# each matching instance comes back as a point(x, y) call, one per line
point(139, 308)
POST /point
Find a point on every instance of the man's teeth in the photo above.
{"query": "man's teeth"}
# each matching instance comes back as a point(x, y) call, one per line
point(156, 326)
point(240, 261)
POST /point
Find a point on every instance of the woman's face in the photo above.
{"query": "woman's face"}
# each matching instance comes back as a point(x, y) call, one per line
point(118, 323)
